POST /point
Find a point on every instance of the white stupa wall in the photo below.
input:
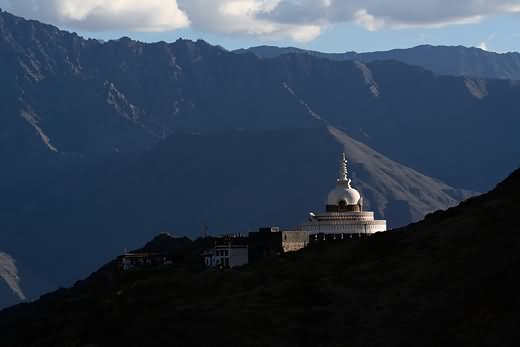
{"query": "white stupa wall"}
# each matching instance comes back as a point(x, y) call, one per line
point(348, 220)
point(344, 227)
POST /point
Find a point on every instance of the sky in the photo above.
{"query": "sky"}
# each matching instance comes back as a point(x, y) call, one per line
point(323, 25)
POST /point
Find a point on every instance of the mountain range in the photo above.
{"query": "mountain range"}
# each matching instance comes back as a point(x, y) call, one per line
point(448, 280)
point(104, 144)
point(444, 60)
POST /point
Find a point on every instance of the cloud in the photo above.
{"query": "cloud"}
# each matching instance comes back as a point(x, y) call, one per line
point(245, 17)
point(299, 20)
point(368, 21)
point(103, 15)
point(396, 14)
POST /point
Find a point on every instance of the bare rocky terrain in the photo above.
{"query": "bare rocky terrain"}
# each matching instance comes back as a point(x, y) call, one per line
point(10, 290)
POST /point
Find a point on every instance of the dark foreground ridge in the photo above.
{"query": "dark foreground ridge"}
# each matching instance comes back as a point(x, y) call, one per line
point(449, 280)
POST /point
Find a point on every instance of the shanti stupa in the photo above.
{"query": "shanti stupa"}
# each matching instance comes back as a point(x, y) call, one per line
point(344, 215)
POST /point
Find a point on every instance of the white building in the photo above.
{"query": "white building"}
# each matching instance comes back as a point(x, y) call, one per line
point(344, 215)
point(228, 252)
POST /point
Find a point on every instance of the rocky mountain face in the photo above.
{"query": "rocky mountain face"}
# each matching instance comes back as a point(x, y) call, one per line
point(119, 140)
point(394, 191)
point(70, 99)
point(447, 280)
point(444, 60)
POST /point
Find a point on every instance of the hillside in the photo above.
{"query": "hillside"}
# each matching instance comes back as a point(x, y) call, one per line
point(444, 60)
point(448, 280)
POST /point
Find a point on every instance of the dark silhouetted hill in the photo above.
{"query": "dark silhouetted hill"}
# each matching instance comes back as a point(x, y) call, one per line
point(449, 280)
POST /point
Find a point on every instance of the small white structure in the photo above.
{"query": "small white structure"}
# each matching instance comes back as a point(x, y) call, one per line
point(228, 252)
point(344, 215)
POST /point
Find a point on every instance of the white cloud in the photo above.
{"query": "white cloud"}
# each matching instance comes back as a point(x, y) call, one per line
point(483, 45)
point(245, 17)
point(391, 14)
point(299, 20)
point(304, 33)
point(368, 21)
point(103, 15)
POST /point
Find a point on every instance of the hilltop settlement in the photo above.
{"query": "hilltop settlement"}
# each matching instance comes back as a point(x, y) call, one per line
point(344, 218)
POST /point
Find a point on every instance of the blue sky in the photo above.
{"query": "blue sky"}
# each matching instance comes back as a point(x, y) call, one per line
point(499, 34)
point(323, 25)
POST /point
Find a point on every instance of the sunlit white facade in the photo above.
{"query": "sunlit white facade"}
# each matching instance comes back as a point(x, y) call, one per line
point(344, 213)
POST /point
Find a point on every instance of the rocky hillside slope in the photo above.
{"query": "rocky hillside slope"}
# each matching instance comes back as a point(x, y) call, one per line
point(66, 100)
point(448, 280)
point(10, 290)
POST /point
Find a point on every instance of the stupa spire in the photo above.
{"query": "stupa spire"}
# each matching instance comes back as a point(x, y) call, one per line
point(343, 171)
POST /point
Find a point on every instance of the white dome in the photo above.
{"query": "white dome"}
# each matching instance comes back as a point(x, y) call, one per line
point(344, 193)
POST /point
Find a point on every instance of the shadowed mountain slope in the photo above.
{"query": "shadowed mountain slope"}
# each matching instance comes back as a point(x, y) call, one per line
point(67, 101)
point(448, 280)
point(396, 192)
point(233, 181)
